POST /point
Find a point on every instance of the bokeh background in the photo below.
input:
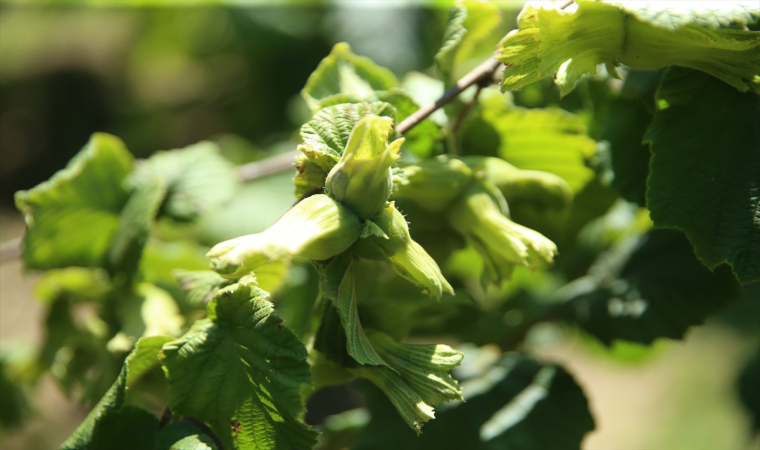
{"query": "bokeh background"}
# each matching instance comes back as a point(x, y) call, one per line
point(166, 77)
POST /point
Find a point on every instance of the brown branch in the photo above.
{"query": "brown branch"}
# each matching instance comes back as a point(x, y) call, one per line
point(483, 72)
point(268, 166)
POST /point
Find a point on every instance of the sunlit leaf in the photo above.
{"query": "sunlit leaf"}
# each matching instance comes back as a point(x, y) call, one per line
point(469, 23)
point(241, 366)
point(343, 77)
point(198, 179)
point(73, 217)
point(547, 42)
point(550, 140)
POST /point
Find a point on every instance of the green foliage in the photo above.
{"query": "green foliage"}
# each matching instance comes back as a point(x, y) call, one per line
point(136, 427)
point(469, 23)
point(515, 403)
point(693, 186)
point(198, 179)
point(240, 365)
point(73, 217)
point(530, 215)
point(337, 285)
point(550, 140)
point(547, 43)
point(647, 288)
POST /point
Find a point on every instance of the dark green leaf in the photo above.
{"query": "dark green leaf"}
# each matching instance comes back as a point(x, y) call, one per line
point(15, 406)
point(127, 428)
point(648, 287)
point(516, 404)
point(182, 436)
point(112, 425)
point(73, 217)
point(627, 119)
point(705, 170)
point(241, 366)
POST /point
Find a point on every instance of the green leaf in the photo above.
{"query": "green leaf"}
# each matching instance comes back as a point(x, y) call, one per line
point(344, 77)
point(144, 357)
point(73, 217)
point(182, 436)
point(337, 284)
point(705, 176)
point(516, 403)
point(78, 283)
point(198, 177)
point(241, 365)
point(135, 224)
point(626, 122)
point(325, 137)
point(13, 399)
point(417, 379)
point(469, 23)
point(547, 42)
point(200, 285)
point(127, 428)
point(549, 140)
point(648, 287)
point(134, 426)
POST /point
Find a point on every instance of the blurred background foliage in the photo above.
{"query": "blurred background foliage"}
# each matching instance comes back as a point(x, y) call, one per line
point(164, 77)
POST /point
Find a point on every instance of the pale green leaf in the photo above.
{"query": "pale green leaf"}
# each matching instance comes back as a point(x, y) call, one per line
point(200, 285)
point(79, 283)
point(198, 178)
point(241, 365)
point(420, 379)
point(469, 23)
point(72, 217)
point(547, 42)
point(549, 140)
point(159, 311)
point(343, 75)
point(675, 13)
point(705, 169)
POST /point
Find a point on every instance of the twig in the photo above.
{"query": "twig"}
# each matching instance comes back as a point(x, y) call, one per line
point(268, 166)
point(483, 72)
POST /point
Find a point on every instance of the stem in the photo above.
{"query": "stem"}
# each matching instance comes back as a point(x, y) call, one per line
point(268, 166)
point(483, 72)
